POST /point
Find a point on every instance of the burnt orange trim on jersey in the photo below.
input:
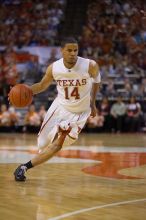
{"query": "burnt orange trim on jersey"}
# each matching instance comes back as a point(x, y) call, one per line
point(79, 129)
point(46, 122)
point(71, 137)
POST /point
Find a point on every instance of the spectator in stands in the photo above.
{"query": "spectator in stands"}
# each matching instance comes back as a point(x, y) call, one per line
point(32, 118)
point(53, 56)
point(104, 109)
point(11, 74)
point(14, 116)
point(9, 67)
point(118, 111)
point(133, 115)
point(42, 112)
point(4, 116)
point(32, 69)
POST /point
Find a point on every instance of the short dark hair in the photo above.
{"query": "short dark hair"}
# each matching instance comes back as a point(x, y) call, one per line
point(68, 40)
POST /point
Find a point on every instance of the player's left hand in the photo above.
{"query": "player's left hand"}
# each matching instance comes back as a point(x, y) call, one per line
point(93, 110)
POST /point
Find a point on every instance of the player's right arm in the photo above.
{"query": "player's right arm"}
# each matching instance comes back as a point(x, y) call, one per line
point(44, 83)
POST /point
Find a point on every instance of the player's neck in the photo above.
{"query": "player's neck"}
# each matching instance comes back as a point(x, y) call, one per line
point(69, 65)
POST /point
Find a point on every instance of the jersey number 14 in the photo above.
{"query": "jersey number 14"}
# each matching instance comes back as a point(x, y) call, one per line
point(74, 93)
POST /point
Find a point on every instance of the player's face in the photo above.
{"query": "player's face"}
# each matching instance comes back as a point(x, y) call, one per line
point(69, 53)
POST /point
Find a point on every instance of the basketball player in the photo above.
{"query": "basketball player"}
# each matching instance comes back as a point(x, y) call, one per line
point(78, 80)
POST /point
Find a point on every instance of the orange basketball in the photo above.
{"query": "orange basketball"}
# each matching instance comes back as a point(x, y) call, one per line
point(20, 95)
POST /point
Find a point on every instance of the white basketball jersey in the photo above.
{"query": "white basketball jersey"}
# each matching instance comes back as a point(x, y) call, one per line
point(73, 85)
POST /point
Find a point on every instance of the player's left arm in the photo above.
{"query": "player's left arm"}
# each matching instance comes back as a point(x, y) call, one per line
point(95, 74)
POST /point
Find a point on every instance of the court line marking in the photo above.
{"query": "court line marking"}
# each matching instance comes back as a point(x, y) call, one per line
point(91, 148)
point(95, 207)
point(104, 149)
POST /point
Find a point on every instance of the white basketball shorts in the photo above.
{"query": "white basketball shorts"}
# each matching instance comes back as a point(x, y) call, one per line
point(57, 116)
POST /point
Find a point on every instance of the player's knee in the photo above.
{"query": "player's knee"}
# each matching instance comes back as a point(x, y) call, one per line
point(41, 144)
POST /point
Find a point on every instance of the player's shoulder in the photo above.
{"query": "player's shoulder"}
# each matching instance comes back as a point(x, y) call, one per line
point(83, 59)
point(93, 68)
point(58, 62)
point(92, 62)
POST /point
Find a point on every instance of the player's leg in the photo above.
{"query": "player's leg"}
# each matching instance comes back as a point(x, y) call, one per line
point(47, 135)
point(43, 156)
point(46, 144)
point(49, 152)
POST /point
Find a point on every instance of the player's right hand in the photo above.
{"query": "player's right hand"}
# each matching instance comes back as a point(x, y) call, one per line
point(93, 110)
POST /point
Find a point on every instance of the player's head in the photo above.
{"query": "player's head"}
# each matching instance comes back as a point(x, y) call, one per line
point(69, 49)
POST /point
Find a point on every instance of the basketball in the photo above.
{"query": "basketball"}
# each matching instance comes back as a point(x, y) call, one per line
point(20, 96)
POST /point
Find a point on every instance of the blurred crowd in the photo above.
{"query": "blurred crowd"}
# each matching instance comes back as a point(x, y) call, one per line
point(30, 22)
point(115, 36)
point(25, 23)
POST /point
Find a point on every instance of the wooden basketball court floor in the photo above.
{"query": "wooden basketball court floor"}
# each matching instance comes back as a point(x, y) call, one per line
point(100, 177)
